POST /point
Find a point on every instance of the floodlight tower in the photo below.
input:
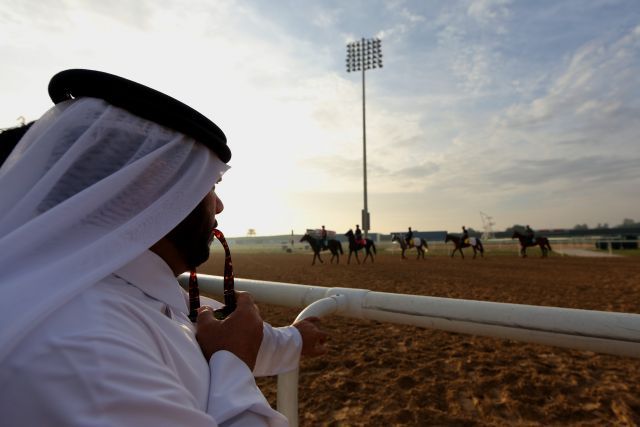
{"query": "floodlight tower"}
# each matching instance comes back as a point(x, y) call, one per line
point(487, 225)
point(361, 56)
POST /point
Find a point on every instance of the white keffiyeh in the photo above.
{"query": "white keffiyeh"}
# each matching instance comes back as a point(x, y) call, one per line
point(87, 190)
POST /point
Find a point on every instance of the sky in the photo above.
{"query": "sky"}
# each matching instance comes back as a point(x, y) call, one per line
point(528, 111)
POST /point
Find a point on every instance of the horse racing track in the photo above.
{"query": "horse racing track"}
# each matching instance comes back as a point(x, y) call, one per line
point(385, 374)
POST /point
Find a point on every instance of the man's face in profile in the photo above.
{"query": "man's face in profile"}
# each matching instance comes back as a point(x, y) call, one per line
point(193, 236)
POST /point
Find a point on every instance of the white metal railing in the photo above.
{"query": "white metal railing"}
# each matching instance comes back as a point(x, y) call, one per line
point(598, 331)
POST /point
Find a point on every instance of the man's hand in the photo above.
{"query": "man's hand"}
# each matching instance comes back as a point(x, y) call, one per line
point(240, 333)
point(313, 339)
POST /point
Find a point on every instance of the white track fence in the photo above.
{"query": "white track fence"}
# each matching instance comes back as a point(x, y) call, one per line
point(598, 331)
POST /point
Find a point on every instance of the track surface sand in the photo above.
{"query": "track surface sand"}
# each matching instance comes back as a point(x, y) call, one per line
point(383, 374)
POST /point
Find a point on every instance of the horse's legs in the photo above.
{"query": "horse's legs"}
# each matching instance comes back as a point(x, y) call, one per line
point(474, 252)
point(369, 255)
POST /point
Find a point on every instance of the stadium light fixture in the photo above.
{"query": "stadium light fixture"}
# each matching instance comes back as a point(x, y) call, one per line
point(364, 55)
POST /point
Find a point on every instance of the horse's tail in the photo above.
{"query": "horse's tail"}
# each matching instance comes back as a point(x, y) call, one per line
point(373, 246)
point(340, 247)
point(549, 245)
point(479, 243)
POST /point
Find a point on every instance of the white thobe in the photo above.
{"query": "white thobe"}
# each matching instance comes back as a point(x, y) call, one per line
point(124, 353)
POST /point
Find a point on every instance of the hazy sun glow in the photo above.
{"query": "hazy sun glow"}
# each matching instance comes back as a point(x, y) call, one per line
point(510, 108)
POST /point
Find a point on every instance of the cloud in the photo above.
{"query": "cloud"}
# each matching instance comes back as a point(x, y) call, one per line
point(470, 40)
point(405, 20)
point(420, 171)
point(337, 167)
point(324, 18)
point(411, 16)
point(599, 83)
point(565, 174)
point(490, 13)
point(473, 66)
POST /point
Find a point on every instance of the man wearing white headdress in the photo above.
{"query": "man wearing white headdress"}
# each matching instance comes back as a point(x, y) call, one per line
point(103, 202)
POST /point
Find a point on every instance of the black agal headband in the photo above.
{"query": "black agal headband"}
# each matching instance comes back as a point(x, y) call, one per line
point(141, 101)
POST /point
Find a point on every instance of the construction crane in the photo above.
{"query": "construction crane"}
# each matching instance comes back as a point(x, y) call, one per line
point(487, 226)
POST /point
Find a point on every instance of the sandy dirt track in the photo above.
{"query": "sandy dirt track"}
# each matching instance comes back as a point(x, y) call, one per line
point(383, 374)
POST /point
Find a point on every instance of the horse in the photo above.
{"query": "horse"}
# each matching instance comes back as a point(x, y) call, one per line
point(526, 241)
point(474, 243)
point(355, 247)
point(416, 242)
point(316, 245)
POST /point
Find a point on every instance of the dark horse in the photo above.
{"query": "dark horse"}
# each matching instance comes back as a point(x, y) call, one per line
point(474, 243)
point(526, 241)
point(355, 247)
point(316, 245)
point(418, 243)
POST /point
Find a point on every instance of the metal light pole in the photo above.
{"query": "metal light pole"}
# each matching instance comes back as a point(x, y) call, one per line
point(364, 55)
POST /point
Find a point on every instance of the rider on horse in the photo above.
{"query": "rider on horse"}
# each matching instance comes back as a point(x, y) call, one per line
point(323, 238)
point(358, 236)
point(465, 236)
point(528, 232)
point(409, 237)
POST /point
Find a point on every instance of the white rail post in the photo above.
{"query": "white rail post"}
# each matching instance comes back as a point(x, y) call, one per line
point(288, 382)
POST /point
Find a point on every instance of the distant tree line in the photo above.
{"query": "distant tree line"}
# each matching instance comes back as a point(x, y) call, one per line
point(515, 227)
point(626, 223)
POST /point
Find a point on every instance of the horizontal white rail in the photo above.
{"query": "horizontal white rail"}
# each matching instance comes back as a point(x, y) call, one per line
point(598, 331)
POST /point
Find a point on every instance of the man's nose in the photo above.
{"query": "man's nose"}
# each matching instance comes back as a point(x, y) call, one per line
point(219, 205)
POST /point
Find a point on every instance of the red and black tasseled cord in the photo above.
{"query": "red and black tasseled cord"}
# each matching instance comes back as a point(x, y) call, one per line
point(229, 292)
